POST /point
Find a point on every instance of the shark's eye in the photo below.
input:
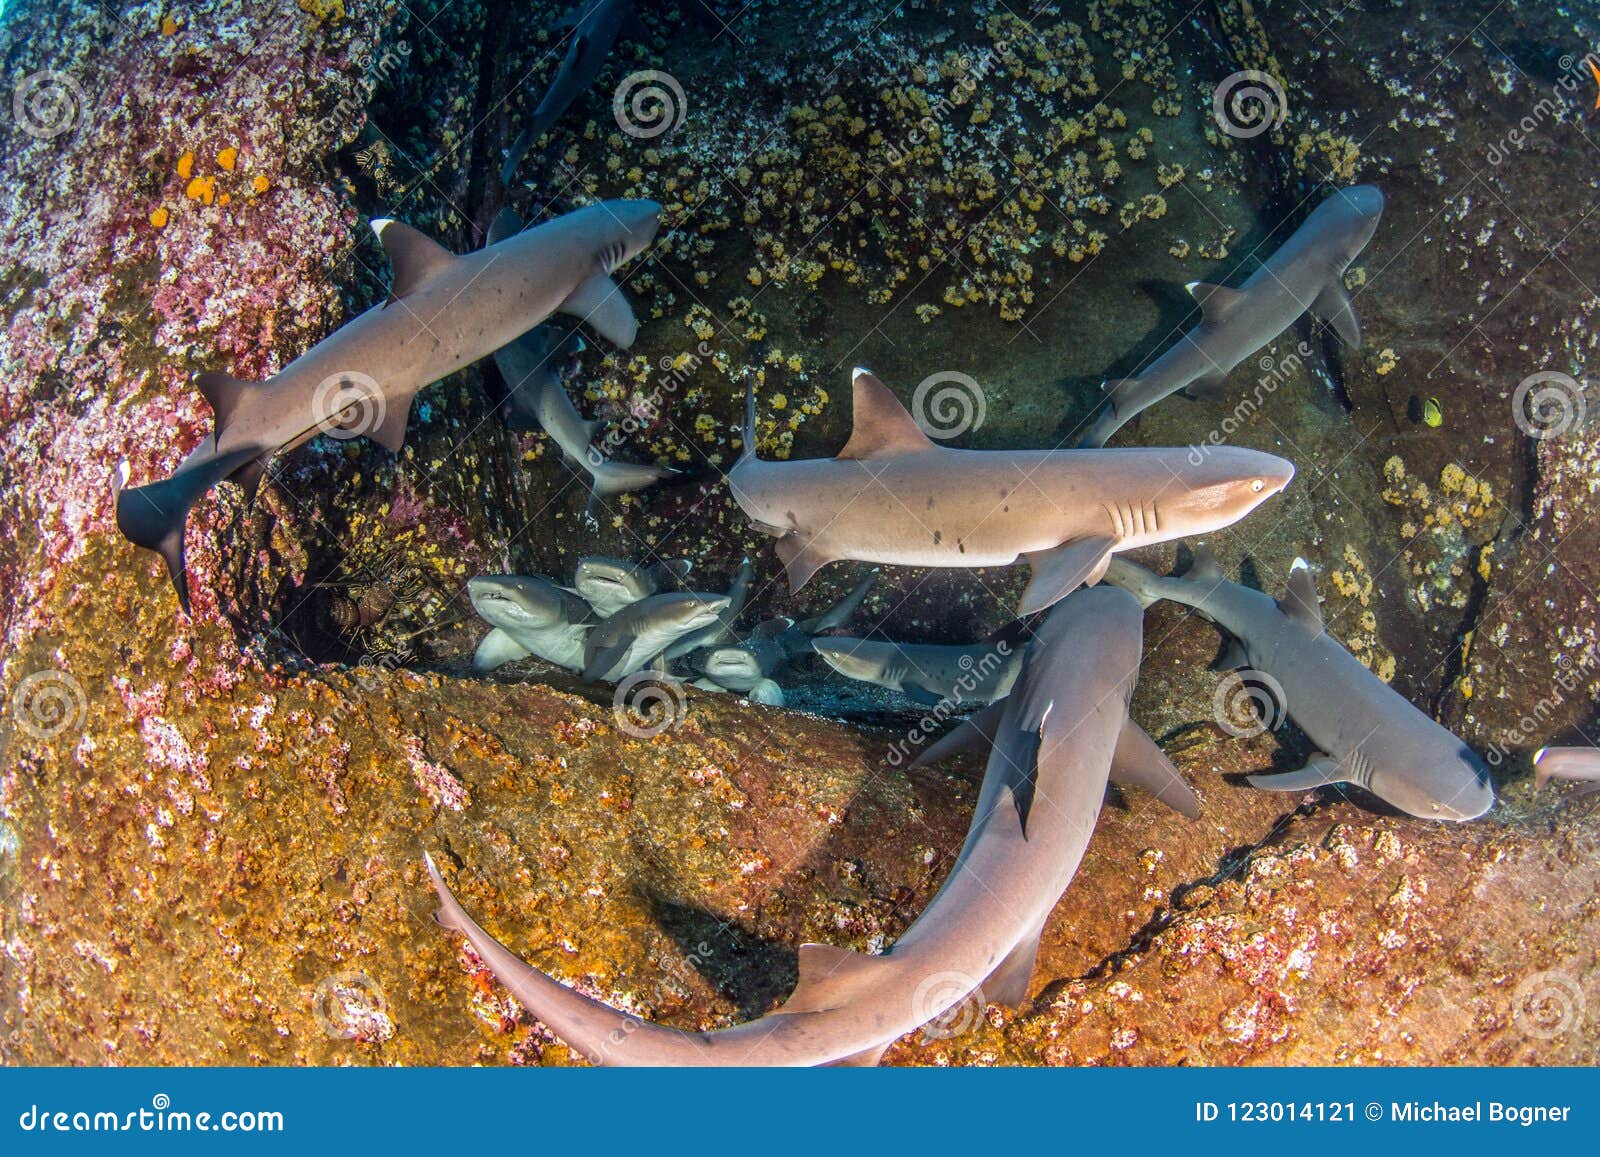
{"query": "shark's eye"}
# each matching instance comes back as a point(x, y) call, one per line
point(1257, 486)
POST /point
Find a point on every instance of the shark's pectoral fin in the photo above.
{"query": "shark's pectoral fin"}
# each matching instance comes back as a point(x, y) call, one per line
point(249, 477)
point(1139, 762)
point(1060, 571)
point(506, 223)
point(390, 433)
point(865, 1059)
point(415, 257)
point(1206, 388)
point(224, 393)
point(1231, 656)
point(1216, 302)
point(1335, 309)
point(497, 649)
point(601, 303)
point(1319, 771)
point(828, 975)
point(1300, 601)
point(801, 559)
point(605, 661)
point(920, 695)
point(975, 734)
point(1008, 983)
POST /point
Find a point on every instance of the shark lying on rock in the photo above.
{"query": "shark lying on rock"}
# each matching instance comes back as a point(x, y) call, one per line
point(638, 634)
point(929, 673)
point(444, 312)
point(530, 616)
point(1306, 273)
point(721, 630)
point(537, 399)
point(1367, 733)
point(894, 496)
point(1064, 727)
point(610, 584)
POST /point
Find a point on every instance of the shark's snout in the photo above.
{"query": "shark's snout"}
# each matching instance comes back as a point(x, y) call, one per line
point(1365, 199)
point(843, 659)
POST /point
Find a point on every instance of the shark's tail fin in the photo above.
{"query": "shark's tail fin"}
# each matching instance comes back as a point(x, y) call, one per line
point(155, 516)
point(1112, 416)
point(608, 477)
point(1141, 584)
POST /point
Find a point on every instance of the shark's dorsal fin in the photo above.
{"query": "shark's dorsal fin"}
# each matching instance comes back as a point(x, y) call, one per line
point(1139, 762)
point(1300, 601)
point(827, 977)
point(882, 426)
point(1204, 565)
point(1216, 302)
point(1334, 308)
point(415, 257)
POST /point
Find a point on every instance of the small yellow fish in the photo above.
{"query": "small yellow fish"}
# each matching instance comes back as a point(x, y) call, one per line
point(1432, 413)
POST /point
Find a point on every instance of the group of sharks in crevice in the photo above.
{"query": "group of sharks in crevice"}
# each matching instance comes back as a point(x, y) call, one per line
point(1054, 723)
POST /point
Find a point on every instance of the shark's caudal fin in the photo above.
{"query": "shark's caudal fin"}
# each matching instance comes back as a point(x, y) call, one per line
point(155, 516)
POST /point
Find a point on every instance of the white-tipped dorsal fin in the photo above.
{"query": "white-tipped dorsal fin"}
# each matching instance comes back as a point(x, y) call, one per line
point(1300, 601)
point(882, 426)
point(1216, 302)
point(415, 257)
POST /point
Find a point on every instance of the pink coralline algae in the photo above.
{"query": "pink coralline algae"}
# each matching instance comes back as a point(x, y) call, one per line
point(434, 781)
point(109, 316)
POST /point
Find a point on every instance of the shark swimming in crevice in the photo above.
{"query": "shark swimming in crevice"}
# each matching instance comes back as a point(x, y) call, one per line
point(609, 584)
point(894, 496)
point(929, 673)
point(1063, 729)
point(530, 615)
point(1305, 274)
point(1367, 733)
point(443, 313)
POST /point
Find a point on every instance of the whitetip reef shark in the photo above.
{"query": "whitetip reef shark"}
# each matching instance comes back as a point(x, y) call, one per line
point(721, 630)
point(1367, 733)
point(639, 633)
point(610, 584)
point(1305, 273)
point(767, 648)
point(531, 616)
point(893, 496)
point(1063, 728)
point(596, 26)
point(443, 313)
point(928, 673)
point(537, 399)
point(1578, 764)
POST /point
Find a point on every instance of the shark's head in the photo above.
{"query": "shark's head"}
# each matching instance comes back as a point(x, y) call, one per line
point(519, 602)
point(1356, 212)
point(685, 613)
point(612, 582)
point(1456, 788)
point(626, 228)
point(1215, 487)
point(852, 658)
point(735, 663)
